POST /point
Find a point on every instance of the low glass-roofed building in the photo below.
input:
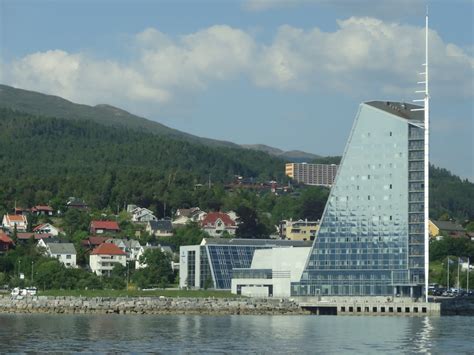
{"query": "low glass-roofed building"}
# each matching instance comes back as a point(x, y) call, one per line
point(370, 240)
point(211, 264)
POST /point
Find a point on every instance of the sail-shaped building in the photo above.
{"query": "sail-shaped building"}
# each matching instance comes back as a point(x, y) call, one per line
point(371, 236)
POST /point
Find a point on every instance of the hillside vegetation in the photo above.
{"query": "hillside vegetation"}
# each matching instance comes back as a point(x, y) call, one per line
point(48, 158)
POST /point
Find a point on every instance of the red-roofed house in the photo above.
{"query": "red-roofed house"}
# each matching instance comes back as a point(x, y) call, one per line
point(101, 227)
point(215, 223)
point(103, 258)
point(93, 241)
point(42, 210)
point(11, 220)
point(6, 243)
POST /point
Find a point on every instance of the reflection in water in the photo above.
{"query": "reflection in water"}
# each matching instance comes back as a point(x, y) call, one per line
point(231, 334)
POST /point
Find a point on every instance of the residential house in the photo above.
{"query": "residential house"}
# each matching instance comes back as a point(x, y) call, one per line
point(446, 228)
point(64, 252)
point(10, 221)
point(161, 228)
point(184, 216)
point(93, 241)
point(298, 230)
point(143, 215)
point(130, 246)
point(216, 223)
point(76, 203)
point(46, 228)
point(42, 210)
point(20, 210)
point(25, 236)
point(139, 264)
point(103, 259)
point(6, 243)
point(103, 227)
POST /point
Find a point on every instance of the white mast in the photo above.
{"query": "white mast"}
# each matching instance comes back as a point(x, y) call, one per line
point(426, 109)
point(427, 162)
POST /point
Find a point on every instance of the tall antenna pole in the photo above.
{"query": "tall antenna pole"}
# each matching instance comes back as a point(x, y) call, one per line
point(426, 159)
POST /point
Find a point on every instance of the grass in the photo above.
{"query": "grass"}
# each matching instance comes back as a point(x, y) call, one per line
point(139, 293)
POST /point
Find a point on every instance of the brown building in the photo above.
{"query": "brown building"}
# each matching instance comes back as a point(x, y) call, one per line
point(312, 174)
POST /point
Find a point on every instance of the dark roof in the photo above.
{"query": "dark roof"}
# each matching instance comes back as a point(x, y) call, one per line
point(162, 225)
point(62, 248)
point(259, 242)
point(448, 226)
point(400, 109)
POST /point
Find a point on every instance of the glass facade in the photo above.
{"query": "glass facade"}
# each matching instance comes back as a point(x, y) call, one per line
point(370, 240)
point(224, 258)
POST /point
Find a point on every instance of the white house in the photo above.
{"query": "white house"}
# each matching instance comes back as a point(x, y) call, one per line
point(11, 220)
point(184, 216)
point(64, 252)
point(140, 214)
point(46, 228)
point(131, 247)
point(103, 258)
point(161, 228)
point(216, 223)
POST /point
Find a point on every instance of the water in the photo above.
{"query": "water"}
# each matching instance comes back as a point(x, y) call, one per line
point(235, 334)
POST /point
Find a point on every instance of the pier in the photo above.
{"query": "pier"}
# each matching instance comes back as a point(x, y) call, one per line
point(386, 306)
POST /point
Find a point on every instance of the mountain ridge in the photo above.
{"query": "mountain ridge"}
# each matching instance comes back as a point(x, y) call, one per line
point(40, 104)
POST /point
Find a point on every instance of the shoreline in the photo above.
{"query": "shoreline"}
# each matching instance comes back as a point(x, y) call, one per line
point(183, 306)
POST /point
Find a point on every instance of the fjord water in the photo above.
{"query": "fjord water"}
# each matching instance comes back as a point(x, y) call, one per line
point(234, 334)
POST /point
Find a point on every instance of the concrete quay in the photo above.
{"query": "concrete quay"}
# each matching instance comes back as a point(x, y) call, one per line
point(391, 306)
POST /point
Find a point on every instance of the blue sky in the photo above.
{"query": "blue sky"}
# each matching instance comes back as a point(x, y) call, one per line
point(285, 73)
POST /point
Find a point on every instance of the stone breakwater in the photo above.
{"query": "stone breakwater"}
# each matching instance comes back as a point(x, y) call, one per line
point(149, 305)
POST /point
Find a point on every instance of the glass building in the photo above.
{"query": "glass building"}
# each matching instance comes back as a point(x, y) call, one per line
point(211, 264)
point(370, 240)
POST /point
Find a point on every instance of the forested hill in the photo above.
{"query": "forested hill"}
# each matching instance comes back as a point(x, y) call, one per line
point(36, 103)
point(49, 158)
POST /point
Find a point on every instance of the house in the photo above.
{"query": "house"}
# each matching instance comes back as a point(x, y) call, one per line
point(161, 228)
point(130, 246)
point(10, 221)
point(64, 252)
point(298, 230)
point(103, 259)
point(25, 236)
point(216, 223)
point(42, 210)
point(93, 242)
point(6, 243)
point(141, 265)
point(20, 210)
point(102, 227)
point(46, 228)
point(76, 203)
point(446, 228)
point(184, 216)
point(140, 214)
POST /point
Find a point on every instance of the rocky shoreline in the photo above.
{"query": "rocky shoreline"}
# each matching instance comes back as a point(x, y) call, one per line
point(149, 305)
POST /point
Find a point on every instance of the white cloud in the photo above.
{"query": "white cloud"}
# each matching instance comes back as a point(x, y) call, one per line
point(364, 57)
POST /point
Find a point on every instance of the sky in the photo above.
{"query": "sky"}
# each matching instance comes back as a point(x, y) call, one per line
point(286, 73)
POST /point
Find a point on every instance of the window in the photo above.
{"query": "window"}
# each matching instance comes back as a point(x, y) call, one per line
point(390, 186)
point(390, 134)
point(68, 256)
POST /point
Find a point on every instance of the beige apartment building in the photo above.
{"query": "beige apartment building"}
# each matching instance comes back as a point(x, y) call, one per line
point(312, 174)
